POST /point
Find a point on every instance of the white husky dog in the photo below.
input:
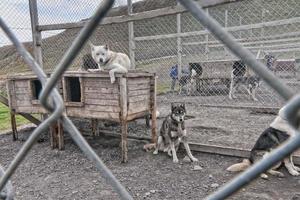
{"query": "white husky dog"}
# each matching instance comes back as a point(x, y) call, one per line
point(109, 60)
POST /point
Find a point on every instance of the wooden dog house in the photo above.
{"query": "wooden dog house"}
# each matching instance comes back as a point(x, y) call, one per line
point(92, 95)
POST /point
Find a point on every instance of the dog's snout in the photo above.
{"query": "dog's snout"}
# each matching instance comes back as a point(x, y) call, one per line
point(181, 119)
point(101, 60)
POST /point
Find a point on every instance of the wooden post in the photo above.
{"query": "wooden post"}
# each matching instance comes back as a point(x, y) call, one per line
point(13, 125)
point(60, 132)
point(131, 36)
point(94, 124)
point(226, 25)
point(153, 108)
point(57, 136)
point(179, 45)
point(207, 39)
point(36, 34)
point(123, 116)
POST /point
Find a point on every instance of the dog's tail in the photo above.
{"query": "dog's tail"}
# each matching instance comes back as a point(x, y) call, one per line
point(239, 166)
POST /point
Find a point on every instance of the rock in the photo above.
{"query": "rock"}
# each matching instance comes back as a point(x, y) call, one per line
point(186, 159)
point(214, 185)
point(152, 191)
point(197, 168)
point(210, 176)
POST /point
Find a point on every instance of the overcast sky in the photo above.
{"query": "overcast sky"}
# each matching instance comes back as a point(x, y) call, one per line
point(16, 14)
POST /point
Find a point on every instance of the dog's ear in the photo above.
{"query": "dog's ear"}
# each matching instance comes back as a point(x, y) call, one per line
point(106, 47)
point(182, 106)
point(173, 106)
point(91, 45)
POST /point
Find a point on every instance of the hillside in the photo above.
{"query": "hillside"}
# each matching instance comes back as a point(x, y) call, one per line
point(160, 54)
point(55, 46)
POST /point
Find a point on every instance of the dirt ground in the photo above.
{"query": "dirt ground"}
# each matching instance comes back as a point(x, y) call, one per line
point(51, 174)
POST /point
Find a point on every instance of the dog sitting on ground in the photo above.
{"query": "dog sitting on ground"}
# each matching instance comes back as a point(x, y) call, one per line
point(173, 132)
point(188, 80)
point(278, 132)
point(107, 59)
point(240, 76)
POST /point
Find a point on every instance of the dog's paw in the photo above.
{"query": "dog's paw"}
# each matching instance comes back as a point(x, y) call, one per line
point(194, 159)
point(255, 99)
point(294, 173)
point(112, 80)
point(155, 152)
point(297, 168)
point(175, 160)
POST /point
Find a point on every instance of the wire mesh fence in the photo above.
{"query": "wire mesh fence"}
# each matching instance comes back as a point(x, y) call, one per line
point(190, 62)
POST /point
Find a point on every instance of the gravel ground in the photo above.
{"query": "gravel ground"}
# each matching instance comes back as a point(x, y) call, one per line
point(51, 174)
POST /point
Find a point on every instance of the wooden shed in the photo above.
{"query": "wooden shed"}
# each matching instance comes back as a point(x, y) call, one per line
point(92, 95)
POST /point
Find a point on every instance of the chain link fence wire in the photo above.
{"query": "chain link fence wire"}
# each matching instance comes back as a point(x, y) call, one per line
point(56, 105)
point(260, 26)
point(268, 29)
point(290, 110)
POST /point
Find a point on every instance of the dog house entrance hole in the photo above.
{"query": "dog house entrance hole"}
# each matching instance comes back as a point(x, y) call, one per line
point(36, 88)
point(73, 89)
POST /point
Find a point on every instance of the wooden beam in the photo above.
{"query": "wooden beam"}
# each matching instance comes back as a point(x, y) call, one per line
point(246, 41)
point(205, 148)
point(135, 17)
point(29, 117)
point(230, 29)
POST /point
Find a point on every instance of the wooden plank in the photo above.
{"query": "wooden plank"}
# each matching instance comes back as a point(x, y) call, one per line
point(98, 95)
point(101, 90)
point(142, 98)
point(21, 84)
point(153, 109)
point(230, 29)
point(134, 81)
point(30, 110)
point(136, 17)
point(141, 86)
point(137, 107)
point(99, 84)
point(104, 74)
point(98, 108)
point(101, 102)
point(138, 92)
point(123, 116)
point(75, 112)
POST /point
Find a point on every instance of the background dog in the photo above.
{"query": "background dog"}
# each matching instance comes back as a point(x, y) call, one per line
point(172, 132)
point(188, 80)
point(278, 132)
point(240, 76)
point(112, 61)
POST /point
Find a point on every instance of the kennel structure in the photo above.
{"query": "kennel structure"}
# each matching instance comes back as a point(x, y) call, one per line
point(93, 96)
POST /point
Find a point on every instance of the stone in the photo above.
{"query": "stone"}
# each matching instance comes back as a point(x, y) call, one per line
point(197, 168)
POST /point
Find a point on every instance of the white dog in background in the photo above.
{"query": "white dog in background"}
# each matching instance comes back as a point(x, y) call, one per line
point(108, 60)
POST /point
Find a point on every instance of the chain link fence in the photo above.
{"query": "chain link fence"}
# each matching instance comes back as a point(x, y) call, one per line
point(172, 45)
point(266, 28)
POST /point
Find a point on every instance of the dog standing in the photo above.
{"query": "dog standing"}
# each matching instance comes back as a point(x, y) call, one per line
point(240, 76)
point(278, 132)
point(190, 80)
point(112, 61)
point(173, 132)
